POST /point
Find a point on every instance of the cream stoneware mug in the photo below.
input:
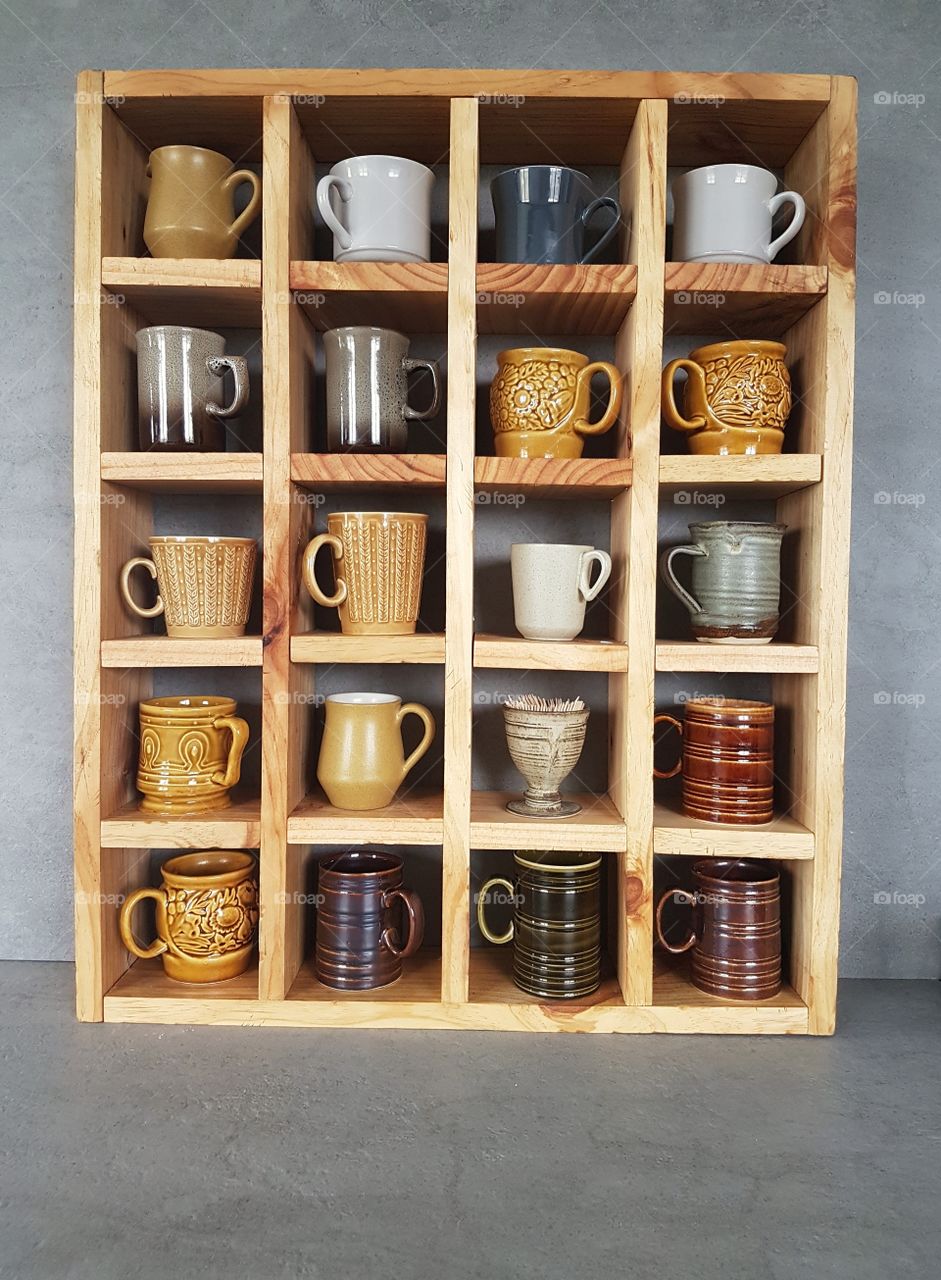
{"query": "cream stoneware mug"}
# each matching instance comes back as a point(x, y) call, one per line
point(551, 586)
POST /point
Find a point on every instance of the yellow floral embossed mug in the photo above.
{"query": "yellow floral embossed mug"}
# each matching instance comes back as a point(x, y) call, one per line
point(190, 753)
point(540, 400)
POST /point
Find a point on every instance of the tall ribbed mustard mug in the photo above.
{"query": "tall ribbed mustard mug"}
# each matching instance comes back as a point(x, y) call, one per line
point(204, 585)
point(190, 753)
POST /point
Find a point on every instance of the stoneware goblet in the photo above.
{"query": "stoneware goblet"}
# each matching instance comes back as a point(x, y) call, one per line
point(545, 737)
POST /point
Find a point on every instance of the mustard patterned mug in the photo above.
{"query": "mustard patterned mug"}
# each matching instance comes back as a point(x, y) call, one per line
point(190, 753)
point(540, 399)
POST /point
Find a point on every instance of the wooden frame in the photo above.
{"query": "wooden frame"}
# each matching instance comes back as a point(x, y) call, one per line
point(640, 123)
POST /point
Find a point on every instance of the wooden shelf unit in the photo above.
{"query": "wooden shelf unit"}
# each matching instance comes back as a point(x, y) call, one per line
point(638, 123)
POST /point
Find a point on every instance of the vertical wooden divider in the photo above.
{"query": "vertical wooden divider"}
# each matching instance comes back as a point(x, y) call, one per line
point(459, 589)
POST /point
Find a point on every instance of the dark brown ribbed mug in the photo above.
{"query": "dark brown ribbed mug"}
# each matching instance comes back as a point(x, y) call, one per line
point(359, 943)
point(727, 761)
point(736, 934)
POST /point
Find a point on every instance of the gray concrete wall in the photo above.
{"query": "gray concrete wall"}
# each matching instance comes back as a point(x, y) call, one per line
point(892, 897)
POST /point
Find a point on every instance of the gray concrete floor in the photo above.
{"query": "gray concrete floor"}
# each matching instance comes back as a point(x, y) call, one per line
point(195, 1153)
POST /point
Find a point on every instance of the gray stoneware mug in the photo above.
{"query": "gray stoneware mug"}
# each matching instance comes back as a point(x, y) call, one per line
point(367, 390)
point(736, 580)
point(180, 389)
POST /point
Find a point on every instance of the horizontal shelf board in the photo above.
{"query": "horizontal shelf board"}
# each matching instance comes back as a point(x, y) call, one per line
point(146, 980)
point(718, 127)
point(769, 476)
point(491, 982)
point(673, 987)
point(412, 818)
point(197, 291)
point(330, 648)
point(184, 472)
point(238, 827)
point(542, 299)
point(420, 982)
point(574, 478)
point(738, 299)
point(597, 828)
point(168, 651)
point(336, 472)
point(675, 655)
point(412, 296)
point(520, 654)
point(676, 834)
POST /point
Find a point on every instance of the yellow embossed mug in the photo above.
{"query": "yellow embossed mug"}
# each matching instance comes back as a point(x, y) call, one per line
point(737, 397)
point(540, 399)
point(190, 753)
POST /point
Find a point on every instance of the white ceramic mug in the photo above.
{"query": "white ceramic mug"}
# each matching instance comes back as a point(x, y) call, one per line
point(724, 213)
point(378, 208)
point(551, 586)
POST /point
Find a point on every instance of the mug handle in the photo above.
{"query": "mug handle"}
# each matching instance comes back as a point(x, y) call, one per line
point(677, 725)
point(416, 923)
point(428, 720)
point(310, 577)
point(603, 202)
point(587, 589)
point(790, 231)
point(671, 580)
point(239, 370)
point(160, 944)
point(344, 191)
point(585, 428)
point(670, 412)
point(233, 765)
point(156, 610)
point(250, 212)
point(422, 415)
point(482, 907)
point(691, 940)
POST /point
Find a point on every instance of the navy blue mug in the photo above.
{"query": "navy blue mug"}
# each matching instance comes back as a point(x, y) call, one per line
point(542, 213)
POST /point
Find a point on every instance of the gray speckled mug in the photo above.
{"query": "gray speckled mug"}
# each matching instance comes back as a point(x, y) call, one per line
point(551, 586)
point(736, 584)
point(180, 388)
point(367, 390)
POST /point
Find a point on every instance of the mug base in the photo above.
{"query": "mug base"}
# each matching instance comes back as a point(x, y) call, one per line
point(379, 628)
point(537, 444)
point(205, 633)
point(199, 970)
point(172, 807)
point(728, 255)
point(567, 809)
point(734, 639)
point(378, 255)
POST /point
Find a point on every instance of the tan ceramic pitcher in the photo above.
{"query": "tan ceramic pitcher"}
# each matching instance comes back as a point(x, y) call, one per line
point(190, 753)
point(362, 760)
point(205, 585)
point(191, 206)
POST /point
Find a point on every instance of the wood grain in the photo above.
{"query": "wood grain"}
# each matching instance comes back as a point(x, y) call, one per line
point(168, 651)
point(539, 299)
point(737, 301)
point(238, 827)
point(575, 478)
point(341, 472)
point(414, 817)
point(517, 653)
point(411, 296)
point(200, 291)
point(694, 656)
point(330, 647)
point(675, 833)
point(185, 472)
point(763, 477)
point(599, 826)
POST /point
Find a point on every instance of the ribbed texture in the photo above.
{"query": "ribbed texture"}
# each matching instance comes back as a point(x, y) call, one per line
point(205, 584)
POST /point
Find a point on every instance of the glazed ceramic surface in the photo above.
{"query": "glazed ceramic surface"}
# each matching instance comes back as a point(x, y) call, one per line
point(556, 927)
point(724, 213)
point(539, 402)
point(736, 580)
point(551, 586)
point(378, 562)
point(206, 914)
point(190, 753)
point(180, 391)
point(378, 208)
point(367, 389)
point(191, 205)
point(362, 760)
point(736, 933)
point(542, 212)
point(545, 746)
point(360, 942)
point(737, 397)
point(727, 761)
point(204, 585)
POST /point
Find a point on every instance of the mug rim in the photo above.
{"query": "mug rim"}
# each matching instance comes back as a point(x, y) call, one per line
point(242, 860)
point(520, 167)
point(385, 515)
point(728, 164)
point(178, 702)
point(378, 155)
point(770, 874)
point(390, 862)
point(365, 328)
point(738, 524)
point(767, 346)
point(177, 328)
point(545, 352)
point(207, 538)
point(191, 146)
point(720, 702)
point(359, 699)
point(527, 858)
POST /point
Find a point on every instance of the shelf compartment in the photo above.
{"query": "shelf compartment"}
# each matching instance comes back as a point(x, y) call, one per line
point(185, 472)
point(546, 299)
point(411, 296)
point(675, 834)
point(332, 648)
point(168, 651)
point(673, 989)
point(598, 828)
point(420, 983)
point(197, 291)
point(767, 476)
point(732, 298)
point(519, 654)
point(675, 655)
point(340, 472)
point(238, 827)
point(491, 982)
point(575, 478)
point(146, 980)
point(412, 818)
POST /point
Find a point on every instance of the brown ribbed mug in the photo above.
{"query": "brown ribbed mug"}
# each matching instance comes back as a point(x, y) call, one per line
point(736, 933)
point(359, 942)
point(727, 760)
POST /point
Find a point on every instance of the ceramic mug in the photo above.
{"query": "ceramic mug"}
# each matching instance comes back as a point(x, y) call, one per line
point(724, 213)
point(727, 760)
point(737, 397)
point(206, 914)
point(190, 753)
point(191, 205)
point(736, 933)
point(736, 587)
point(378, 561)
point(180, 389)
point(378, 208)
point(204, 585)
point(542, 213)
point(367, 389)
point(360, 945)
point(539, 402)
point(362, 758)
point(551, 586)
point(556, 927)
